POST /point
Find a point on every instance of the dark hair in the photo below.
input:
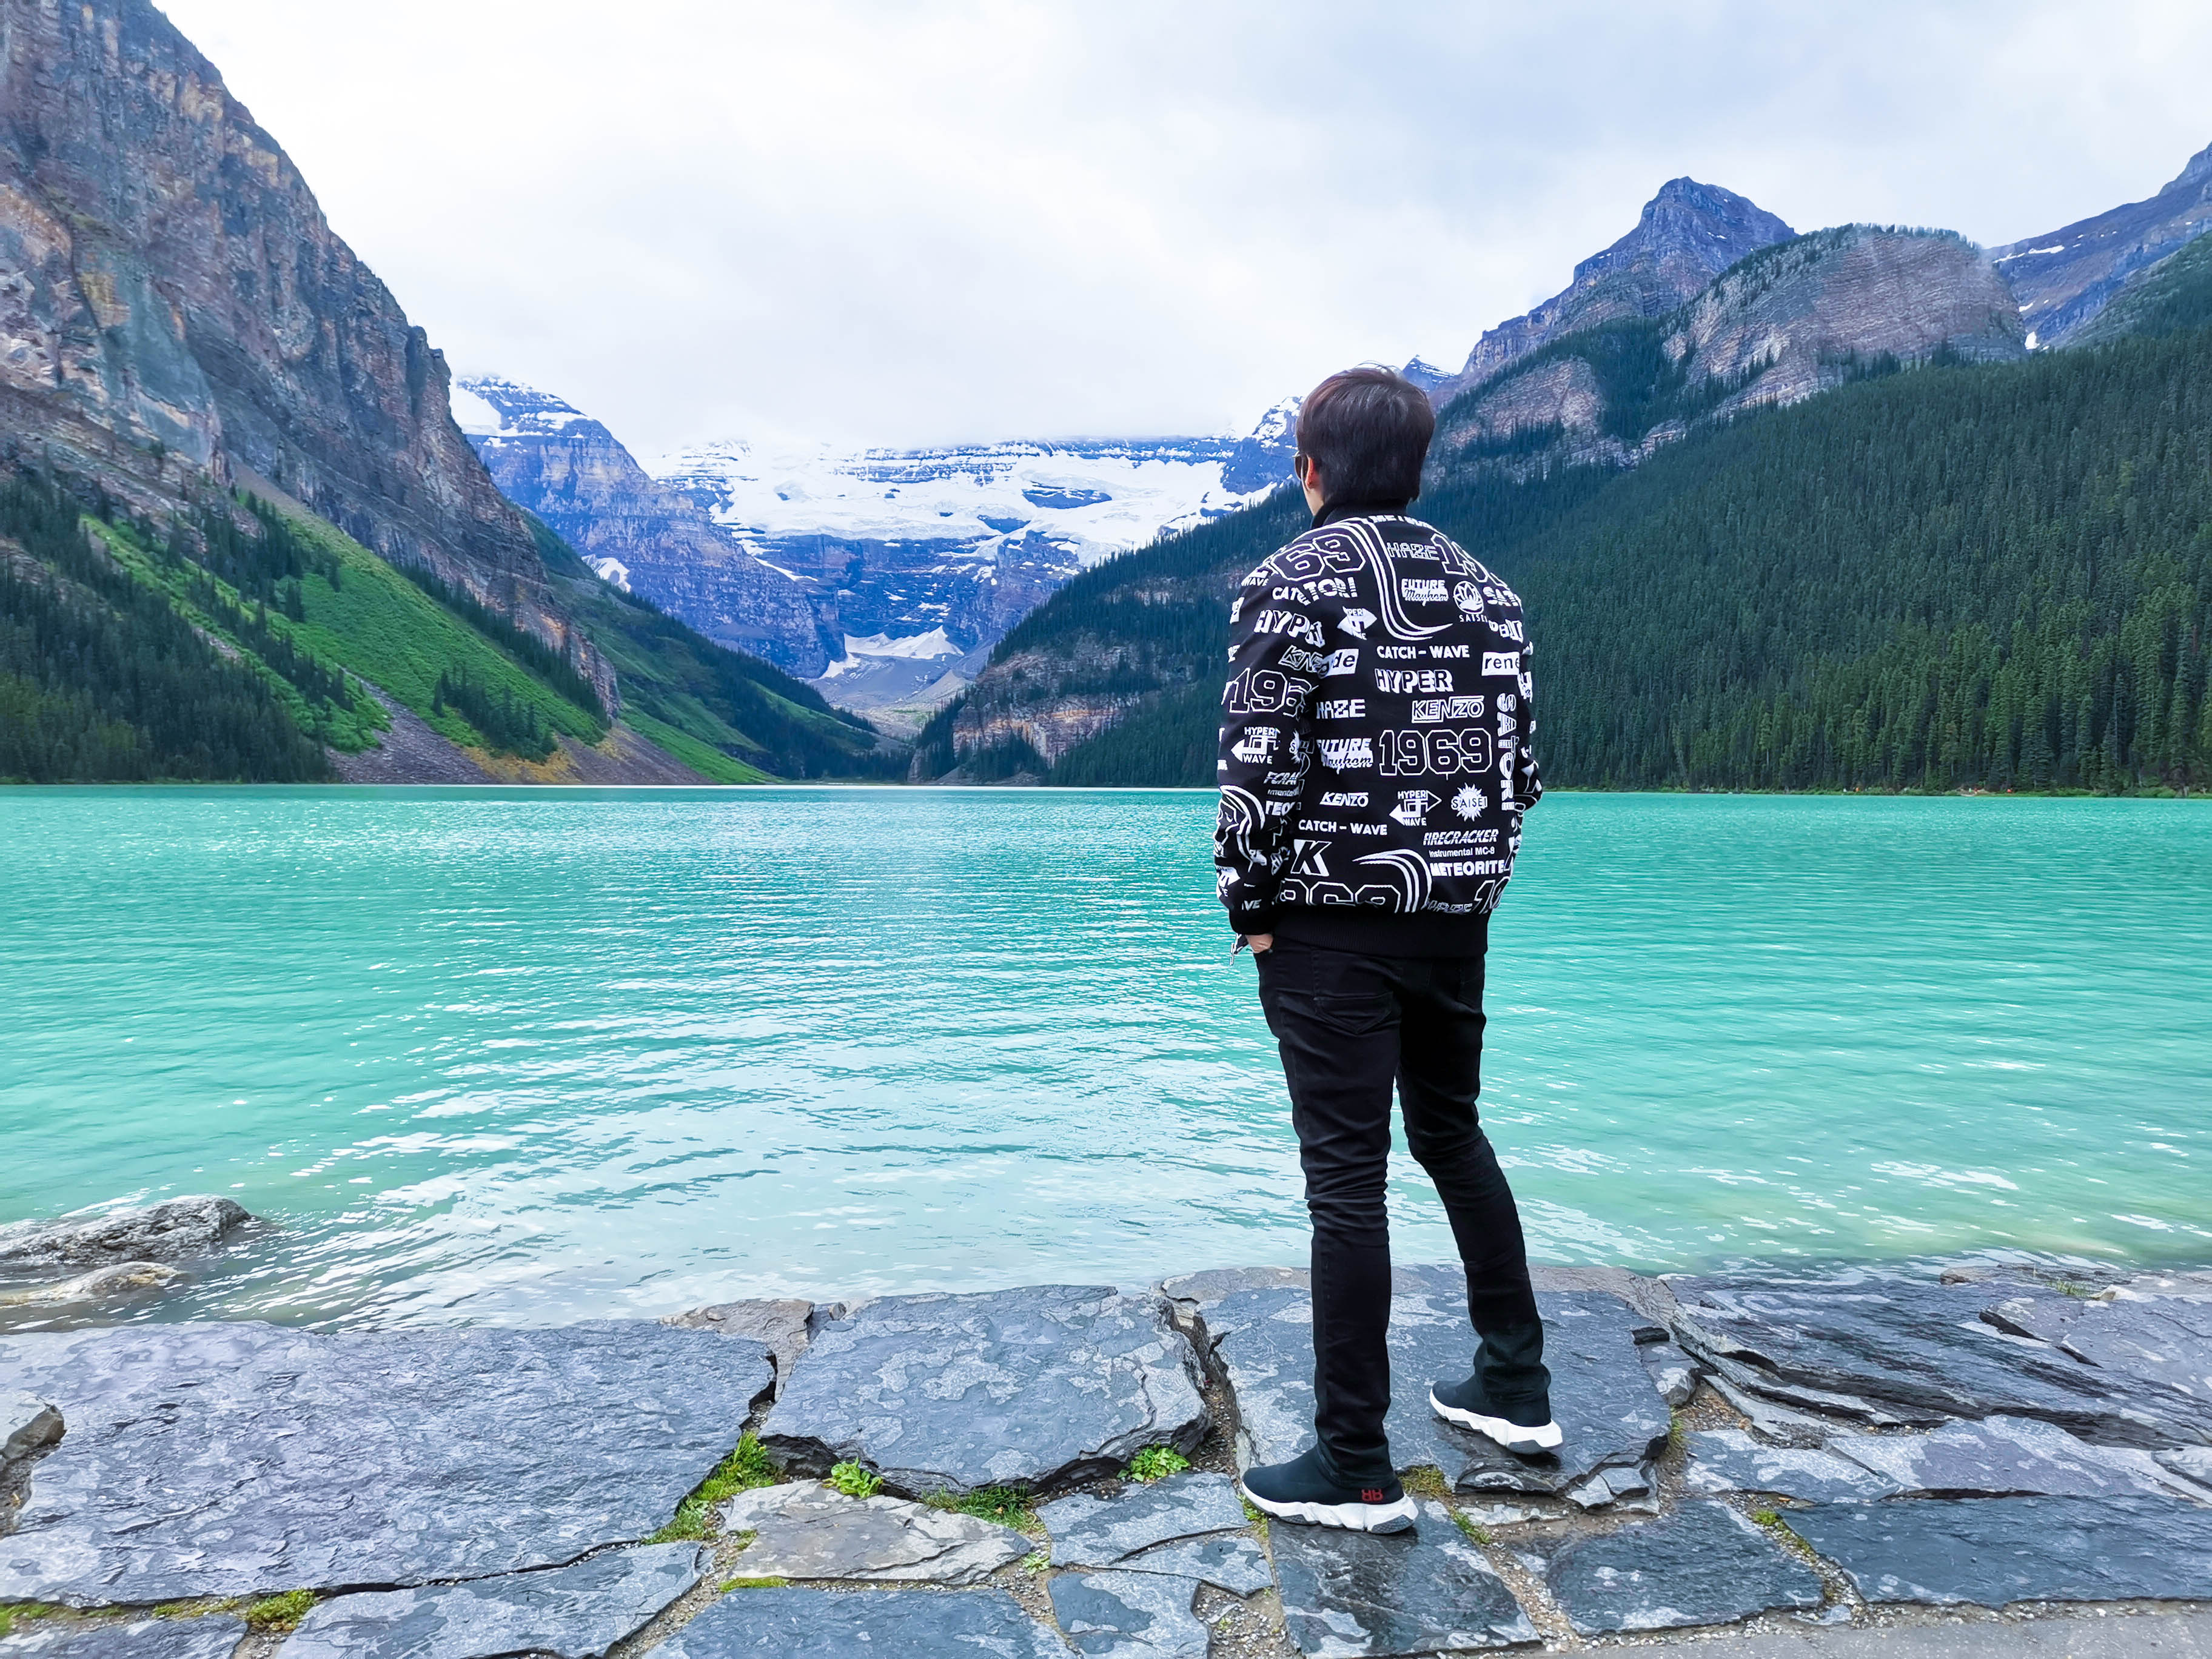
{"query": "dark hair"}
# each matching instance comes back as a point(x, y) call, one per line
point(1368, 428)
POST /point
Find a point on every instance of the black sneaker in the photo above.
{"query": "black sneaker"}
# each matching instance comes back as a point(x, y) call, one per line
point(1526, 1429)
point(1304, 1491)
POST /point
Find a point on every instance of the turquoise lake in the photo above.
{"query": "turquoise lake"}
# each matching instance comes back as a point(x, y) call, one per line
point(522, 1056)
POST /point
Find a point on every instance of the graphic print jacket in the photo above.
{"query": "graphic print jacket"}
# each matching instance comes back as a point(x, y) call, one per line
point(1375, 744)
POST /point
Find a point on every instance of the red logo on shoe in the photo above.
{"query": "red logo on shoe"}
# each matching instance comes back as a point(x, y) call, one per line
point(1370, 1494)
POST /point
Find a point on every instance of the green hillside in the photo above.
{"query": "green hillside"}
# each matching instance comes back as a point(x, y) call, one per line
point(104, 679)
point(1979, 577)
point(2171, 296)
point(731, 717)
point(234, 642)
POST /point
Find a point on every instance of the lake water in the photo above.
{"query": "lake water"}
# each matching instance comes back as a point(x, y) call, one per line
point(525, 1056)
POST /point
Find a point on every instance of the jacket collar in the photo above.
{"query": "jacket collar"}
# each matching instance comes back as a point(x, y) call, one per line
point(1332, 510)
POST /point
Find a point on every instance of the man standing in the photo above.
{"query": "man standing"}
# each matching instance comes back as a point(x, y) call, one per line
point(1375, 760)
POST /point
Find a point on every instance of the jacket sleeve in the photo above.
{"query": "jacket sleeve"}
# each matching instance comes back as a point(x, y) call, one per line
point(1528, 782)
point(1267, 745)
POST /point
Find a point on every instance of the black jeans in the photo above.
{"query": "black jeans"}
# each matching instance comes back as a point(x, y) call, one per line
point(1349, 1025)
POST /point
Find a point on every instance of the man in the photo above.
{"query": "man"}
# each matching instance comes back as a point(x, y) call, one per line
point(1376, 761)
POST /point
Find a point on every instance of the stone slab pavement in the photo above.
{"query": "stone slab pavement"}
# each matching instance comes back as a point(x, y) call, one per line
point(1040, 1387)
point(1609, 1403)
point(236, 1460)
point(2185, 1635)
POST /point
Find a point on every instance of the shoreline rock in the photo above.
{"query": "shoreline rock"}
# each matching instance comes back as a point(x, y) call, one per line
point(452, 1489)
point(175, 1230)
point(1038, 1387)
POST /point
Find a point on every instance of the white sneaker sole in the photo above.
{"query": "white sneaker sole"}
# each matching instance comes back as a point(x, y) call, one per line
point(1513, 1437)
point(1352, 1517)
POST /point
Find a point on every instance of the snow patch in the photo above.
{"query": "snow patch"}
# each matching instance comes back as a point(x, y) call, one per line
point(1088, 499)
point(472, 414)
point(932, 646)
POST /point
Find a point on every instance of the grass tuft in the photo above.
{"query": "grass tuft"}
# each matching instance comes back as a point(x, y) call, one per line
point(1156, 1463)
point(1037, 1560)
point(1009, 1506)
point(1468, 1526)
point(1776, 1523)
point(855, 1480)
point(1424, 1481)
point(1256, 1516)
point(743, 1470)
point(279, 1613)
point(729, 1584)
point(14, 1612)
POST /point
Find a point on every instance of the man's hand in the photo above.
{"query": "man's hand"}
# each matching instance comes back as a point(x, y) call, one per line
point(1260, 943)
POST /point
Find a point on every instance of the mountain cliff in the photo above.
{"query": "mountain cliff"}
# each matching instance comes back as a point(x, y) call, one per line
point(2065, 277)
point(241, 535)
point(572, 472)
point(170, 288)
point(1795, 319)
point(1687, 235)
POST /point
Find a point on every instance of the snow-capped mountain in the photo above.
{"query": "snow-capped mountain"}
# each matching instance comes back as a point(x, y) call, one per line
point(1087, 499)
point(881, 571)
point(2066, 277)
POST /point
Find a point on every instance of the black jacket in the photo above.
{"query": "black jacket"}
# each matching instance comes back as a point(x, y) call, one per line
point(1376, 752)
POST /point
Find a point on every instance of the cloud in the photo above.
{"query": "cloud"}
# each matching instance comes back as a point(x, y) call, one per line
point(906, 223)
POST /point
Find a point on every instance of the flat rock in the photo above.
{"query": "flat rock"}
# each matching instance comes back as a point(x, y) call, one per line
point(1780, 1425)
point(1831, 1410)
point(1905, 1344)
point(576, 1612)
point(2004, 1456)
point(1190, 1525)
point(211, 1637)
point(1704, 1565)
point(1098, 1532)
point(816, 1623)
point(785, 1324)
point(1202, 1289)
point(1673, 1372)
point(2193, 1462)
point(223, 1460)
point(1729, 1460)
point(1507, 1515)
point(29, 1425)
point(1228, 1560)
point(808, 1530)
point(1039, 1387)
point(1611, 1484)
point(2155, 1331)
point(1603, 1399)
point(1347, 1594)
point(1129, 1615)
point(175, 1230)
point(1995, 1550)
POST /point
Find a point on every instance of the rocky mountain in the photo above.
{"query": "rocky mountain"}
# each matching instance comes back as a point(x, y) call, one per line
point(1687, 235)
point(878, 575)
point(1794, 318)
point(1710, 310)
point(1980, 575)
point(639, 534)
point(171, 296)
point(2064, 277)
point(241, 535)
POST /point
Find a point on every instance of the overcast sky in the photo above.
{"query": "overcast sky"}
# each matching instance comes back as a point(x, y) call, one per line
point(880, 224)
